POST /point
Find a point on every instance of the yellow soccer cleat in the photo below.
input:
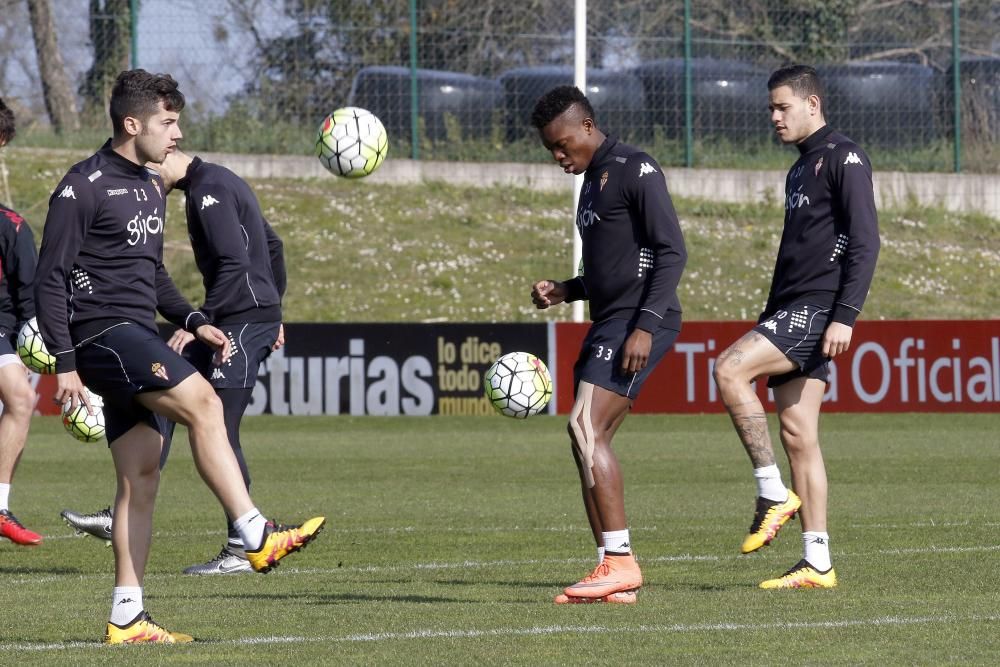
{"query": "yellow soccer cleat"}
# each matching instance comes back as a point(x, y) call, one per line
point(768, 520)
point(279, 541)
point(614, 574)
point(144, 630)
point(803, 575)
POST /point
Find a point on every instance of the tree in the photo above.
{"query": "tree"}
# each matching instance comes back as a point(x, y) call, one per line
point(59, 101)
point(110, 39)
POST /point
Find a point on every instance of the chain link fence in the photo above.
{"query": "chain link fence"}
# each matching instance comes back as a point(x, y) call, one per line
point(456, 79)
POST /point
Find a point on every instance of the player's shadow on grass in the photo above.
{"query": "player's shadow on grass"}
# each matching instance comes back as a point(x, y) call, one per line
point(22, 570)
point(333, 598)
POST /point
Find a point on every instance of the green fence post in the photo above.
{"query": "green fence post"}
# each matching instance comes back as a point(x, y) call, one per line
point(956, 83)
point(688, 102)
point(133, 20)
point(414, 103)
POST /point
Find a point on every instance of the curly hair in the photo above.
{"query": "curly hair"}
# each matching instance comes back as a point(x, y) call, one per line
point(137, 93)
point(557, 101)
point(7, 128)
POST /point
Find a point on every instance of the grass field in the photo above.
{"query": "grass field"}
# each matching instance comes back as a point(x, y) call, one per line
point(448, 537)
point(364, 252)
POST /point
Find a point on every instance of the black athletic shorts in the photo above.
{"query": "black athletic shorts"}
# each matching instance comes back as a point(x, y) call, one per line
point(126, 360)
point(797, 330)
point(600, 361)
point(250, 343)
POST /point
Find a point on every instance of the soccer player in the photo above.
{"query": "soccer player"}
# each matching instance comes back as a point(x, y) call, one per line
point(100, 282)
point(242, 264)
point(633, 257)
point(17, 305)
point(825, 265)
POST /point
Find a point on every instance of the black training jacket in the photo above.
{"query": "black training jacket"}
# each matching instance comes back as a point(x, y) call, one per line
point(238, 253)
point(17, 271)
point(633, 249)
point(830, 240)
point(101, 261)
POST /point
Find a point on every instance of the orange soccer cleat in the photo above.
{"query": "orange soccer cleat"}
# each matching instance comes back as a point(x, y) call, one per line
point(12, 529)
point(615, 574)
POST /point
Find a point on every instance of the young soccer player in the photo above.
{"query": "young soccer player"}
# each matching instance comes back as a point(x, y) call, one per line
point(17, 305)
point(825, 265)
point(243, 269)
point(633, 257)
point(100, 282)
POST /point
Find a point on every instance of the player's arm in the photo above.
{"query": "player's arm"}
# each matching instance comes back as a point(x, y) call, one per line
point(225, 241)
point(649, 201)
point(21, 265)
point(276, 252)
point(545, 293)
point(172, 305)
point(854, 197)
point(72, 210)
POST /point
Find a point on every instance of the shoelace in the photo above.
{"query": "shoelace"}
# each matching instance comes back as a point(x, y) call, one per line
point(601, 570)
point(7, 516)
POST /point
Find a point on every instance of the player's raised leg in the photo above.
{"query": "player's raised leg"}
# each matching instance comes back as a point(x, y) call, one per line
point(194, 404)
point(799, 402)
point(595, 418)
point(18, 402)
point(749, 358)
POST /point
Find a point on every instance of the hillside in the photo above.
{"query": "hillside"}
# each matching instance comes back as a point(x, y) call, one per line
point(359, 251)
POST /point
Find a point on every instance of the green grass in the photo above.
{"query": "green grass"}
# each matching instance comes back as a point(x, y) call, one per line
point(448, 537)
point(365, 252)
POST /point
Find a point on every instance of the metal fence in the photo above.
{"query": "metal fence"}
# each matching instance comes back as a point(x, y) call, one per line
point(456, 79)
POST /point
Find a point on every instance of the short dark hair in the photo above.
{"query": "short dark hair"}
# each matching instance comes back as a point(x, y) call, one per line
point(7, 128)
point(802, 79)
point(137, 93)
point(557, 101)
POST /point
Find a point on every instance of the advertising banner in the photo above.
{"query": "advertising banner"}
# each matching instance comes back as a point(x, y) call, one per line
point(892, 366)
point(424, 369)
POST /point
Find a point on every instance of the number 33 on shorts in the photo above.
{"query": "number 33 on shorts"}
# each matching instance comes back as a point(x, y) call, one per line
point(604, 353)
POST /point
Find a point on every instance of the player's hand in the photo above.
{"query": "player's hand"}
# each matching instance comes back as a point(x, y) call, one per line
point(547, 293)
point(836, 339)
point(635, 354)
point(214, 338)
point(70, 389)
point(179, 340)
point(280, 342)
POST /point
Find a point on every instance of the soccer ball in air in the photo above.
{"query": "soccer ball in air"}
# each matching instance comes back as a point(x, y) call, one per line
point(31, 349)
point(82, 425)
point(518, 385)
point(352, 142)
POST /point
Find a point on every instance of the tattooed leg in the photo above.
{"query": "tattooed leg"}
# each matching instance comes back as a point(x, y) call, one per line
point(734, 372)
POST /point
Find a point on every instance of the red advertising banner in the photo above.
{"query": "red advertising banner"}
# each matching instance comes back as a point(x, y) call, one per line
point(892, 366)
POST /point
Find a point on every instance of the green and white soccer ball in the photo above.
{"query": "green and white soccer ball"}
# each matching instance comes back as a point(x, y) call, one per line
point(31, 349)
point(82, 425)
point(518, 385)
point(352, 142)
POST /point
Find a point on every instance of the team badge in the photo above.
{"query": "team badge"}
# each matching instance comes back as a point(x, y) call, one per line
point(156, 185)
point(159, 370)
point(819, 165)
point(604, 180)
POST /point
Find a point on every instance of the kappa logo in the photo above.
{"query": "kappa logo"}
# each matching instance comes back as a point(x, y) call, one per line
point(646, 168)
point(67, 192)
point(217, 374)
point(852, 158)
point(208, 200)
point(771, 326)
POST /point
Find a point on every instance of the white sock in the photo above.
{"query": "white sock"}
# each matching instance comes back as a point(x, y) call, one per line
point(126, 604)
point(4, 496)
point(769, 483)
point(616, 542)
point(600, 555)
point(251, 529)
point(817, 550)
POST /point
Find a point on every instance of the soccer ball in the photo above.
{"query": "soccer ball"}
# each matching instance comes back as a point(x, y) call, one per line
point(352, 142)
point(82, 425)
point(518, 385)
point(31, 349)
